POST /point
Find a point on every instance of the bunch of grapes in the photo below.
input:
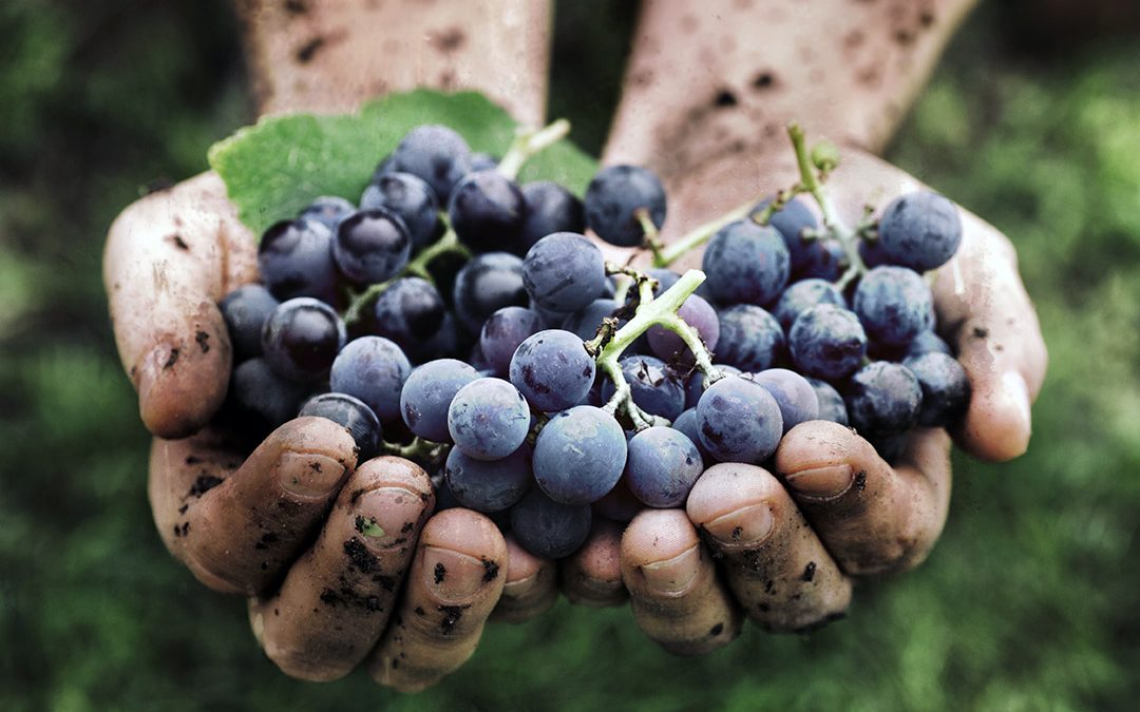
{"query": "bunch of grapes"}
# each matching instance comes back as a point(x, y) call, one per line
point(461, 320)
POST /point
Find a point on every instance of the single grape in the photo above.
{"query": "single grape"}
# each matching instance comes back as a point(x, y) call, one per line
point(550, 208)
point(553, 370)
point(410, 198)
point(295, 260)
point(301, 338)
point(503, 332)
point(353, 414)
point(564, 272)
point(795, 396)
point(579, 455)
point(486, 284)
point(695, 312)
point(656, 388)
point(883, 398)
point(487, 212)
point(586, 321)
point(436, 154)
point(894, 304)
point(259, 400)
point(831, 405)
point(750, 338)
point(827, 342)
point(409, 312)
point(371, 246)
point(921, 231)
point(928, 342)
point(695, 388)
point(619, 504)
point(739, 421)
point(373, 369)
point(826, 259)
point(483, 162)
point(666, 278)
point(327, 210)
point(803, 295)
point(689, 424)
point(549, 319)
point(792, 221)
point(746, 264)
point(245, 310)
point(547, 529)
point(614, 197)
point(663, 465)
point(945, 388)
point(871, 252)
point(488, 486)
point(449, 341)
point(427, 394)
point(488, 419)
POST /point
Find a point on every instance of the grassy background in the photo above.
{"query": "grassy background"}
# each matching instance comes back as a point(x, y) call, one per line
point(1028, 603)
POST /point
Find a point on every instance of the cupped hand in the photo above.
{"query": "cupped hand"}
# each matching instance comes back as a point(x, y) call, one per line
point(343, 562)
point(792, 542)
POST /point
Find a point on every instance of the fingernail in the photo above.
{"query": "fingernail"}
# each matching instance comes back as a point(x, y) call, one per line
point(149, 367)
point(747, 525)
point(387, 516)
point(455, 577)
point(514, 589)
point(822, 482)
point(600, 589)
point(309, 475)
point(1018, 395)
point(673, 577)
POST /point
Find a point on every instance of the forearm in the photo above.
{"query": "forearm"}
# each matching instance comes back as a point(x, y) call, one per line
point(717, 78)
point(330, 55)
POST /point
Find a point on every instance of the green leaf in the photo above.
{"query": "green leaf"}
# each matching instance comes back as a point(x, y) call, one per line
point(275, 168)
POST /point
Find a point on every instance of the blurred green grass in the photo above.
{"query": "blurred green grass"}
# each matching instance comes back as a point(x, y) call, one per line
point(1028, 603)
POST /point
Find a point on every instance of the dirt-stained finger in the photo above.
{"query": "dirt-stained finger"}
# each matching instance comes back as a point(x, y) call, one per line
point(531, 585)
point(591, 576)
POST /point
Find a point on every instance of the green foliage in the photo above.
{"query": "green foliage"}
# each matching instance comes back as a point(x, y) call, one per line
point(276, 168)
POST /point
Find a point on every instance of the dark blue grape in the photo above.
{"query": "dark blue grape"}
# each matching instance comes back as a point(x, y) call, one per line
point(371, 246)
point(564, 272)
point(503, 332)
point(795, 396)
point(791, 222)
point(486, 284)
point(883, 398)
point(656, 389)
point(483, 162)
point(831, 405)
point(409, 312)
point(373, 369)
point(803, 295)
point(613, 198)
point(353, 414)
point(427, 394)
point(827, 342)
point(449, 341)
point(928, 342)
point(585, 322)
point(945, 388)
point(436, 154)
point(739, 421)
point(750, 338)
point(663, 465)
point(689, 424)
point(412, 200)
point(666, 278)
point(746, 264)
point(826, 259)
point(488, 486)
point(488, 419)
point(695, 312)
point(553, 370)
point(327, 210)
point(550, 208)
point(246, 309)
point(619, 504)
point(259, 400)
point(550, 319)
point(295, 260)
point(921, 231)
point(487, 211)
point(547, 529)
point(871, 252)
point(695, 388)
point(579, 455)
point(894, 304)
point(301, 338)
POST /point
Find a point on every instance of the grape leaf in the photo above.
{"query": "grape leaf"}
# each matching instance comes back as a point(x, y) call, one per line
point(275, 168)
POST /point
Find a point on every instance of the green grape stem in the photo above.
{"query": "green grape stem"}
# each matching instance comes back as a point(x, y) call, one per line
point(528, 143)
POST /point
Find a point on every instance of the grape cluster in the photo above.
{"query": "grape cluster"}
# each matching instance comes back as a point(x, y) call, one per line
point(464, 321)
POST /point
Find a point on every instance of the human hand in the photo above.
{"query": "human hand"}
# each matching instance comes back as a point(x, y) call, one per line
point(793, 541)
